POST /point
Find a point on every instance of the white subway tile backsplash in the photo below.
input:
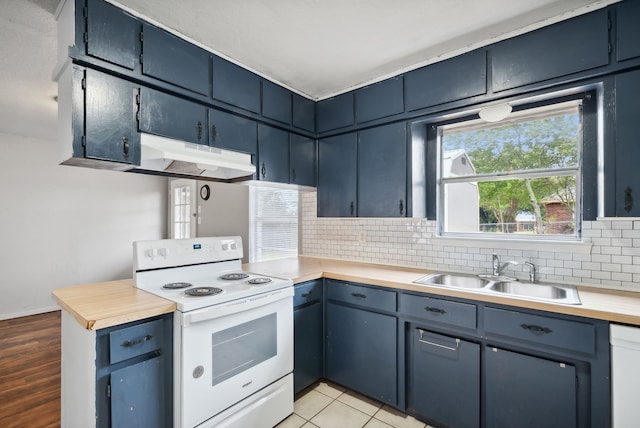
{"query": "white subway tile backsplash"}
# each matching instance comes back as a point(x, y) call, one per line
point(614, 260)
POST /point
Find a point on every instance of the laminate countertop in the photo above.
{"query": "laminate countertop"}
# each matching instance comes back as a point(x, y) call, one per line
point(106, 304)
point(611, 305)
point(101, 305)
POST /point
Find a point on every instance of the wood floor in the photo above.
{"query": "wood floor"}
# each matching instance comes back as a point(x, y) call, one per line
point(30, 371)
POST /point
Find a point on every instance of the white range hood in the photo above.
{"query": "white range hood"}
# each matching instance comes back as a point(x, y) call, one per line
point(179, 157)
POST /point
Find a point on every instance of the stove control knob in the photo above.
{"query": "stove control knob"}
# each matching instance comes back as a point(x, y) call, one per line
point(198, 372)
point(151, 253)
point(163, 252)
point(234, 246)
point(225, 247)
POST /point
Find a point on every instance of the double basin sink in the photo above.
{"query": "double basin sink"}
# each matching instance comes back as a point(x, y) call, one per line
point(505, 286)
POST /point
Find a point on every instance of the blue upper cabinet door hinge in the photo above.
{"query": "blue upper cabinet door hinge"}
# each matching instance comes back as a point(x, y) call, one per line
point(83, 83)
point(85, 12)
point(109, 390)
point(84, 141)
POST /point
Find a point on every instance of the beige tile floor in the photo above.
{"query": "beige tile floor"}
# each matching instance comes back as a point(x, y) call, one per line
point(326, 405)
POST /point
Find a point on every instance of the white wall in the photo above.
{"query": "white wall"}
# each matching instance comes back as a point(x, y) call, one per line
point(65, 225)
point(225, 213)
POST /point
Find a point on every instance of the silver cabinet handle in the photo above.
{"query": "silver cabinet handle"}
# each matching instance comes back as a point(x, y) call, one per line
point(426, 342)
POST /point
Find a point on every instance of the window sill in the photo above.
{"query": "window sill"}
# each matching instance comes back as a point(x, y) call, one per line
point(516, 244)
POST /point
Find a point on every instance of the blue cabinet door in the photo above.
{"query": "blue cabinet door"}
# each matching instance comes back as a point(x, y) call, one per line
point(628, 30)
point(302, 160)
point(168, 116)
point(112, 34)
point(361, 351)
point(307, 345)
point(574, 45)
point(336, 112)
point(382, 171)
point(235, 85)
point(228, 131)
point(337, 157)
point(109, 122)
point(273, 154)
point(138, 396)
point(454, 79)
point(443, 379)
point(276, 102)
point(304, 113)
point(171, 59)
point(627, 145)
point(528, 392)
point(379, 100)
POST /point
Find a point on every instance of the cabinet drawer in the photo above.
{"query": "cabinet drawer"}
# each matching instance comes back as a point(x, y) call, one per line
point(572, 335)
point(307, 292)
point(136, 340)
point(363, 296)
point(439, 310)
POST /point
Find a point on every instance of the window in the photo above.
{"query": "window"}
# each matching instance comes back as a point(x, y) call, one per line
point(273, 219)
point(517, 178)
point(182, 219)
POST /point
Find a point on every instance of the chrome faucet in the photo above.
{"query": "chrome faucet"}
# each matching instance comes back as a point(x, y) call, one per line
point(498, 268)
point(532, 272)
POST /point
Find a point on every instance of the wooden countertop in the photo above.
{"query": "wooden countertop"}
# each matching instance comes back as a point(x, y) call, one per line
point(610, 305)
point(106, 304)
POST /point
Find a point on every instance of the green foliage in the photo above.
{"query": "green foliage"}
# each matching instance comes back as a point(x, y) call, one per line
point(550, 142)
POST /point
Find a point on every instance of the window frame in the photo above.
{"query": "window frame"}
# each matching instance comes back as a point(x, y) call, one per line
point(587, 193)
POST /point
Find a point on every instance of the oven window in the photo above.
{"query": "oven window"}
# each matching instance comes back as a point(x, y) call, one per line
point(241, 347)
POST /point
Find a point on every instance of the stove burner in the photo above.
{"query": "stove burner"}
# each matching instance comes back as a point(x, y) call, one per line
point(177, 285)
point(234, 276)
point(203, 291)
point(259, 281)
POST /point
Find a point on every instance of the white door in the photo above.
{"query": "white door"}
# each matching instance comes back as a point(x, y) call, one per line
point(182, 208)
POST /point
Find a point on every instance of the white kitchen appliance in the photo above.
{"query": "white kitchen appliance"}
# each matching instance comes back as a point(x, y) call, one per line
point(233, 332)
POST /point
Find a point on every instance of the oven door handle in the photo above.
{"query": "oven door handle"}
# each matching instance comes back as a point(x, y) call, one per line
point(236, 306)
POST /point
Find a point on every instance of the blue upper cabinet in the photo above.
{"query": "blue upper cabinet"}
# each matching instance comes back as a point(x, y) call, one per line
point(276, 102)
point(337, 157)
point(336, 112)
point(174, 60)
point(302, 160)
point(228, 131)
point(304, 113)
point(571, 46)
point(168, 116)
point(112, 34)
point(273, 154)
point(382, 171)
point(379, 100)
point(455, 79)
point(235, 85)
point(628, 30)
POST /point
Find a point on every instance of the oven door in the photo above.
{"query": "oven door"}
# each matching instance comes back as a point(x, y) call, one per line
point(227, 352)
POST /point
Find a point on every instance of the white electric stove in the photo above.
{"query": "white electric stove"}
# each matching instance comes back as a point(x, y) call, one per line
point(233, 332)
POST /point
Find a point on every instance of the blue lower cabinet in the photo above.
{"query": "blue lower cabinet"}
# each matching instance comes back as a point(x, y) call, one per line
point(361, 351)
point(526, 391)
point(134, 374)
point(308, 356)
point(443, 380)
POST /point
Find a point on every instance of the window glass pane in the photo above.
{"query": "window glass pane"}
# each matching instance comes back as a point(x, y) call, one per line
point(545, 138)
point(539, 206)
point(273, 221)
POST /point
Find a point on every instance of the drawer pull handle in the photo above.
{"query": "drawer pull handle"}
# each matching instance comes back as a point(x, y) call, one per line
point(426, 342)
point(359, 295)
point(535, 328)
point(128, 343)
point(435, 310)
point(307, 294)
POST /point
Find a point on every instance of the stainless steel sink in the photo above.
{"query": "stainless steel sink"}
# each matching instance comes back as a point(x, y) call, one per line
point(506, 286)
point(454, 280)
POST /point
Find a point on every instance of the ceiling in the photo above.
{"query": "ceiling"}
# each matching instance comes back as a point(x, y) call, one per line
point(317, 48)
point(320, 48)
